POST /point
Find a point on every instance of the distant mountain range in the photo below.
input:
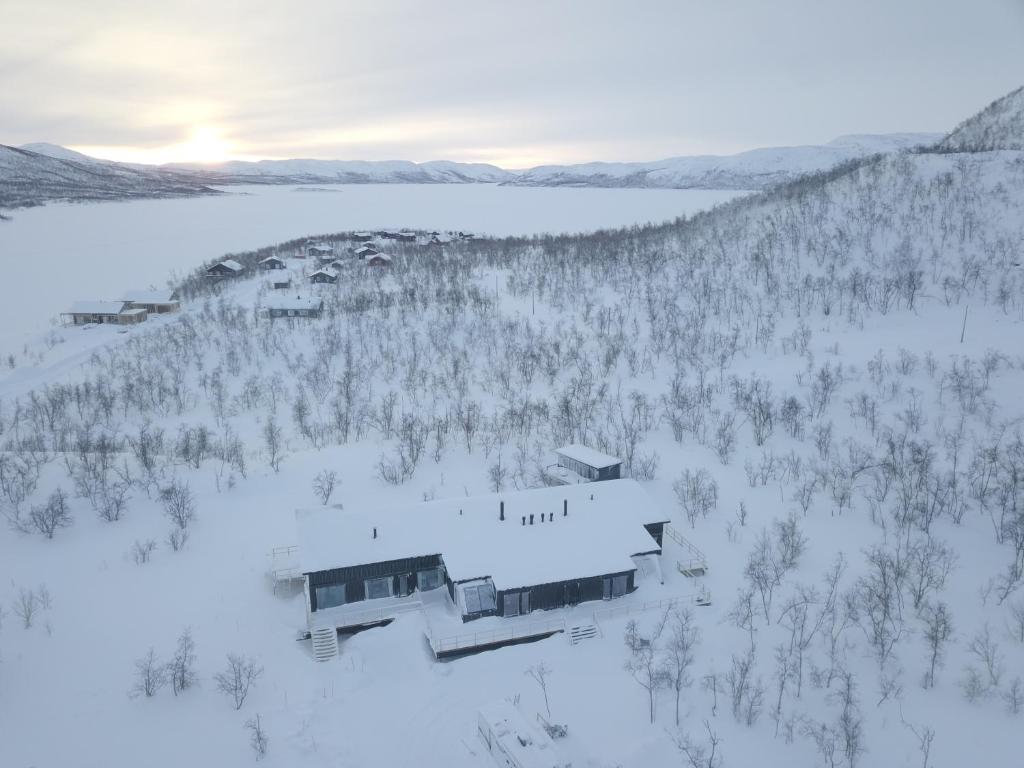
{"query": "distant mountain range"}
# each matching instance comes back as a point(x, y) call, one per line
point(39, 173)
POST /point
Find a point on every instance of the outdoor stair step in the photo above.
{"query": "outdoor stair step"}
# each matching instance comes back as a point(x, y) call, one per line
point(325, 643)
point(582, 632)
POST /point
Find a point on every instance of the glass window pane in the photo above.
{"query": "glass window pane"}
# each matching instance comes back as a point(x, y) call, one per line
point(429, 579)
point(488, 597)
point(524, 606)
point(328, 597)
point(376, 588)
point(472, 600)
point(618, 586)
point(511, 603)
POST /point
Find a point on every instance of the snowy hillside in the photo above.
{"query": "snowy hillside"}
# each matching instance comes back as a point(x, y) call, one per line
point(30, 178)
point(820, 385)
point(756, 169)
point(351, 172)
point(999, 126)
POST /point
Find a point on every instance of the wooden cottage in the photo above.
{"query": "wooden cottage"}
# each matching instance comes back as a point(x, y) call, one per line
point(105, 312)
point(325, 275)
point(279, 280)
point(496, 555)
point(294, 307)
point(378, 260)
point(272, 262)
point(154, 302)
point(320, 251)
point(583, 464)
point(227, 268)
point(365, 251)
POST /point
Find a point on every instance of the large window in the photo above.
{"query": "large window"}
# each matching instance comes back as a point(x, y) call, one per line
point(379, 588)
point(615, 586)
point(431, 578)
point(328, 597)
point(479, 598)
point(515, 603)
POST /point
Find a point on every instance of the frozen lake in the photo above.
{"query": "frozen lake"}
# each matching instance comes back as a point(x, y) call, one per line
point(56, 254)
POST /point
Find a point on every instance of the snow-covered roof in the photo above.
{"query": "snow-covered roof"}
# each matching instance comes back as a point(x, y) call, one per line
point(150, 297)
point(296, 303)
point(231, 264)
point(604, 528)
point(321, 248)
point(588, 456)
point(271, 258)
point(139, 311)
point(96, 308)
point(366, 249)
point(381, 256)
point(325, 271)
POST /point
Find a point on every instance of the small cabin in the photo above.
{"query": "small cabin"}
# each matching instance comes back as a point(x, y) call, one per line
point(280, 281)
point(104, 312)
point(295, 307)
point(154, 302)
point(272, 262)
point(365, 251)
point(320, 251)
point(587, 464)
point(406, 237)
point(324, 276)
point(227, 268)
point(378, 260)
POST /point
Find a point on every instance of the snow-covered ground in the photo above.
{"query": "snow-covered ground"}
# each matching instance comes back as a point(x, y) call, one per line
point(63, 252)
point(876, 317)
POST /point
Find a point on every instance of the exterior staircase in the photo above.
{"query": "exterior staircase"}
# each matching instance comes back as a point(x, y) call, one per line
point(692, 562)
point(583, 632)
point(325, 643)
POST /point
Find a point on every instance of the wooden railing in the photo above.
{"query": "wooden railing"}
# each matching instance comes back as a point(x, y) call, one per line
point(341, 619)
point(703, 597)
point(694, 559)
point(502, 635)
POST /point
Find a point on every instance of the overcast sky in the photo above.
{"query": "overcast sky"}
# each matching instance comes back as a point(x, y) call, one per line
point(514, 83)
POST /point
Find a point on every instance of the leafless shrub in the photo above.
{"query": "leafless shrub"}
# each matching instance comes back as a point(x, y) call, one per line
point(54, 514)
point(235, 681)
point(323, 485)
point(181, 667)
point(257, 736)
point(150, 676)
point(141, 551)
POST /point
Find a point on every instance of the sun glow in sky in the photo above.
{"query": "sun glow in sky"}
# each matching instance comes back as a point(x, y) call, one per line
point(515, 84)
point(204, 145)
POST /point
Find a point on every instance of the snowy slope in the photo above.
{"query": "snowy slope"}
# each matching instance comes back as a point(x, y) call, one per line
point(31, 178)
point(756, 169)
point(999, 126)
point(349, 172)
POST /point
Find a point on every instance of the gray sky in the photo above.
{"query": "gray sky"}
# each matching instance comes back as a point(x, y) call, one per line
point(514, 83)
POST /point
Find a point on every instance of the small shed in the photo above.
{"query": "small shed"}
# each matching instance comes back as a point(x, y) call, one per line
point(280, 280)
point(226, 268)
point(325, 275)
point(154, 302)
point(295, 307)
point(589, 464)
point(378, 260)
point(272, 262)
point(365, 251)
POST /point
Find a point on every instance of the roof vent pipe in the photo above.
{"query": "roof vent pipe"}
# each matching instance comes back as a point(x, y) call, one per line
point(501, 513)
point(565, 507)
point(531, 519)
point(375, 532)
point(524, 519)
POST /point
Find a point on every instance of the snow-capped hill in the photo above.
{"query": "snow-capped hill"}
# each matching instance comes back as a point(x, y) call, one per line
point(349, 171)
point(58, 152)
point(1000, 125)
point(755, 169)
point(31, 178)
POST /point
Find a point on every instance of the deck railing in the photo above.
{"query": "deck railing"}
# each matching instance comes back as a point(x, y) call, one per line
point(502, 635)
point(342, 619)
point(693, 558)
point(703, 597)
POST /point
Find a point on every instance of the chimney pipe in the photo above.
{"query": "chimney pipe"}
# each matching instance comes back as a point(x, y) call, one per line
point(375, 532)
point(501, 513)
point(531, 519)
point(524, 519)
point(565, 507)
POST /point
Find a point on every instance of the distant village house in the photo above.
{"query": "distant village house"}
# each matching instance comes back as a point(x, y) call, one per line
point(227, 268)
point(294, 307)
point(106, 312)
point(154, 302)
